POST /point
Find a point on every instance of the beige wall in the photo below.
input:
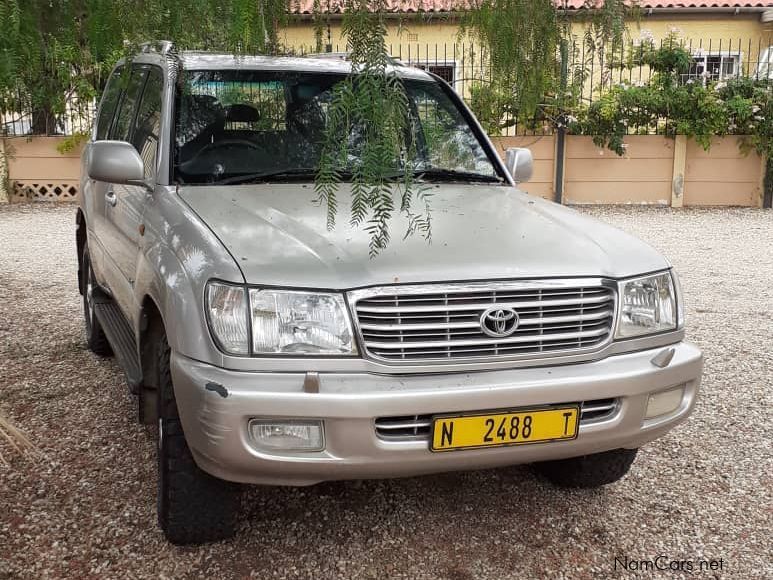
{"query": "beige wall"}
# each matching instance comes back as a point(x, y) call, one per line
point(543, 148)
point(645, 175)
point(599, 176)
point(403, 35)
point(443, 29)
point(702, 28)
point(435, 39)
point(722, 176)
point(36, 169)
point(742, 36)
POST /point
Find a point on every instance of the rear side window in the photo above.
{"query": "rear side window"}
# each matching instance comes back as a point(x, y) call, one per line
point(108, 105)
point(128, 107)
point(147, 125)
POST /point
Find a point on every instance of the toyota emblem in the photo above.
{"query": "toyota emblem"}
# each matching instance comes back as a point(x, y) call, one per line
point(499, 321)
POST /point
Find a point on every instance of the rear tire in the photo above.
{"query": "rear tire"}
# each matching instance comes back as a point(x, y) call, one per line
point(588, 471)
point(96, 341)
point(193, 506)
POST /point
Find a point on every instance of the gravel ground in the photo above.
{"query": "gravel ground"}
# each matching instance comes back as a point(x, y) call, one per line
point(88, 509)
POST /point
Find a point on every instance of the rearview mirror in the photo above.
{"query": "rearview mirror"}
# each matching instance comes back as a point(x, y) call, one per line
point(519, 163)
point(115, 162)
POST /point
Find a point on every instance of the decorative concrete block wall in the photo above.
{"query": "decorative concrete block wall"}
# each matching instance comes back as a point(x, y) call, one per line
point(655, 170)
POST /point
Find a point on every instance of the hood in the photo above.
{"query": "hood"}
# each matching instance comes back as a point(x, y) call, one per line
point(278, 237)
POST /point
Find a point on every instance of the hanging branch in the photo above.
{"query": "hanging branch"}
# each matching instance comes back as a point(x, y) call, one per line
point(369, 119)
point(524, 41)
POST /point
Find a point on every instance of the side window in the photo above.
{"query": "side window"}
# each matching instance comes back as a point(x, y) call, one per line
point(108, 104)
point(147, 125)
point(128, 107)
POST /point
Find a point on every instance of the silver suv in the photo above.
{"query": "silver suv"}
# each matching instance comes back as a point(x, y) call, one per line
point(271, 350)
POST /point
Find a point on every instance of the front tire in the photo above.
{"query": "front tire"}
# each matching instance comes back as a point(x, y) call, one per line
point(96, 341)
point(589, 471)
point(193, 506)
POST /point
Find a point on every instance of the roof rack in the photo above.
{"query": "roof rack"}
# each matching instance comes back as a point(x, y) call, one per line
point(160, 46)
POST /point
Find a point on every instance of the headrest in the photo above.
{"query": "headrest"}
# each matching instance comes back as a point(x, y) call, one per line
point(242, 113)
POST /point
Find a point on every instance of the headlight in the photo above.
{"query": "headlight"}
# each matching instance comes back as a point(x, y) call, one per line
point(288, 322)
point(647, 305)
point(227, 315)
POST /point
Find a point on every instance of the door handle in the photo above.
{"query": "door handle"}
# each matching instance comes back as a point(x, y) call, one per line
point(110, 198)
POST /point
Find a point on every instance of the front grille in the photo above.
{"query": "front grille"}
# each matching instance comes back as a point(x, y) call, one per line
point(419, 323)
point(417, 427)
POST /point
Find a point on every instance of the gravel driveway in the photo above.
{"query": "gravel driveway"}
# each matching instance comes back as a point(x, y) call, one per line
point(88, 509)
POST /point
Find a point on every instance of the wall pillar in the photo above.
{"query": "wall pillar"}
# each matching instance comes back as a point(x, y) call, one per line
point(559, 173)
point(4, 197)
point(680, 166)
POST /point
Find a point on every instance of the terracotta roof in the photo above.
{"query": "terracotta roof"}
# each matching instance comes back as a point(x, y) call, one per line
point(576, 4)
point(395, 6)
point(413, 6)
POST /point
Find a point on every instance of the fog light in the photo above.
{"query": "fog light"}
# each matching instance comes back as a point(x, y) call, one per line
point(664, 402)
point(287, 435)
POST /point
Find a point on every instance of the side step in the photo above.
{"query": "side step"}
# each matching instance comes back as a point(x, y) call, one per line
point(121, 337)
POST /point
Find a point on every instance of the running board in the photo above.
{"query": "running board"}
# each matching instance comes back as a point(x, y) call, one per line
point(121, 338)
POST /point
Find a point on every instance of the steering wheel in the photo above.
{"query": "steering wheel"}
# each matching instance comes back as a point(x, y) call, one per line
point(194, 161)
point(228, 143)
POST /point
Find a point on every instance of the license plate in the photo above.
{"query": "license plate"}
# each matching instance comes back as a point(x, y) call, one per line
point(494, 429)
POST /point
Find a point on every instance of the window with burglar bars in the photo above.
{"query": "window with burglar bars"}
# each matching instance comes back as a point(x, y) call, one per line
point(446, 71)
point(713, 67)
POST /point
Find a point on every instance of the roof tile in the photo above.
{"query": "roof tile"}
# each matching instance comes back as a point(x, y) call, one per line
point(413, 6)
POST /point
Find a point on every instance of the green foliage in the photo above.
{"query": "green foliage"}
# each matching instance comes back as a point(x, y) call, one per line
point(72, 142)
point(369, 113)
point(494, 108)
point(53, 50)
point(749, 104)
point(520, 38)
point(670, 58)
point(525, 42)
point(666, 105)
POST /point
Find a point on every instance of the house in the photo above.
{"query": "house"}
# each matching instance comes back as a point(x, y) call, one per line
point(726, 38)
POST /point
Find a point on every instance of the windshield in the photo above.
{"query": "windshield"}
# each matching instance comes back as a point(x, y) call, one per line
point(241, 125)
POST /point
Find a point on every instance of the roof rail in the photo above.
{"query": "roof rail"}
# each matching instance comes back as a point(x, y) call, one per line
point(345, 55)
point(160, 46)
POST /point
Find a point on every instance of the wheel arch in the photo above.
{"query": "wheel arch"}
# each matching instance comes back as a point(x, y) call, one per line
point(80, 244)
point(151, 326)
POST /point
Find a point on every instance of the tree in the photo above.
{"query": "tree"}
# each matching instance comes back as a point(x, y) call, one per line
point(52, 49)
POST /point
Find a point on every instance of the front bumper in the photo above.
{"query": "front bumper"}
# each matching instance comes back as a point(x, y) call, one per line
point(215, 419)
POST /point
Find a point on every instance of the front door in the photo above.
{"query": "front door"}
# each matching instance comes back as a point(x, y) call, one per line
point(137, 122)
point(94, 191)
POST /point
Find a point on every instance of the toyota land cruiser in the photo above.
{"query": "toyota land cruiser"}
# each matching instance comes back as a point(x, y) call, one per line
point(271, 350)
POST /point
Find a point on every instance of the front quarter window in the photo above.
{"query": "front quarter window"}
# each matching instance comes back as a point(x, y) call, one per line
point(108, 104)
point(448, 143)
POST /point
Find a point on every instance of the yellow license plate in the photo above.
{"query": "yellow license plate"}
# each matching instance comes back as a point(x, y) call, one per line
point(506, 428)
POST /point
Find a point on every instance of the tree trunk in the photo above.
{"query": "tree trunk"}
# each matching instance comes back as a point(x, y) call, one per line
point(44, 121)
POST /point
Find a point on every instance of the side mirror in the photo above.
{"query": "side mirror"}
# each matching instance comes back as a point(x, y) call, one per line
point(519, 163)
point(115, 162)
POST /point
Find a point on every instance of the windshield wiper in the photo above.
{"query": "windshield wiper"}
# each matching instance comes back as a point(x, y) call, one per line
point(266, 175)
point(431, 174)
point(440, 174)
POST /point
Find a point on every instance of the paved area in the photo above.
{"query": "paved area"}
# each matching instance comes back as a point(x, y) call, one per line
point(87, 510)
